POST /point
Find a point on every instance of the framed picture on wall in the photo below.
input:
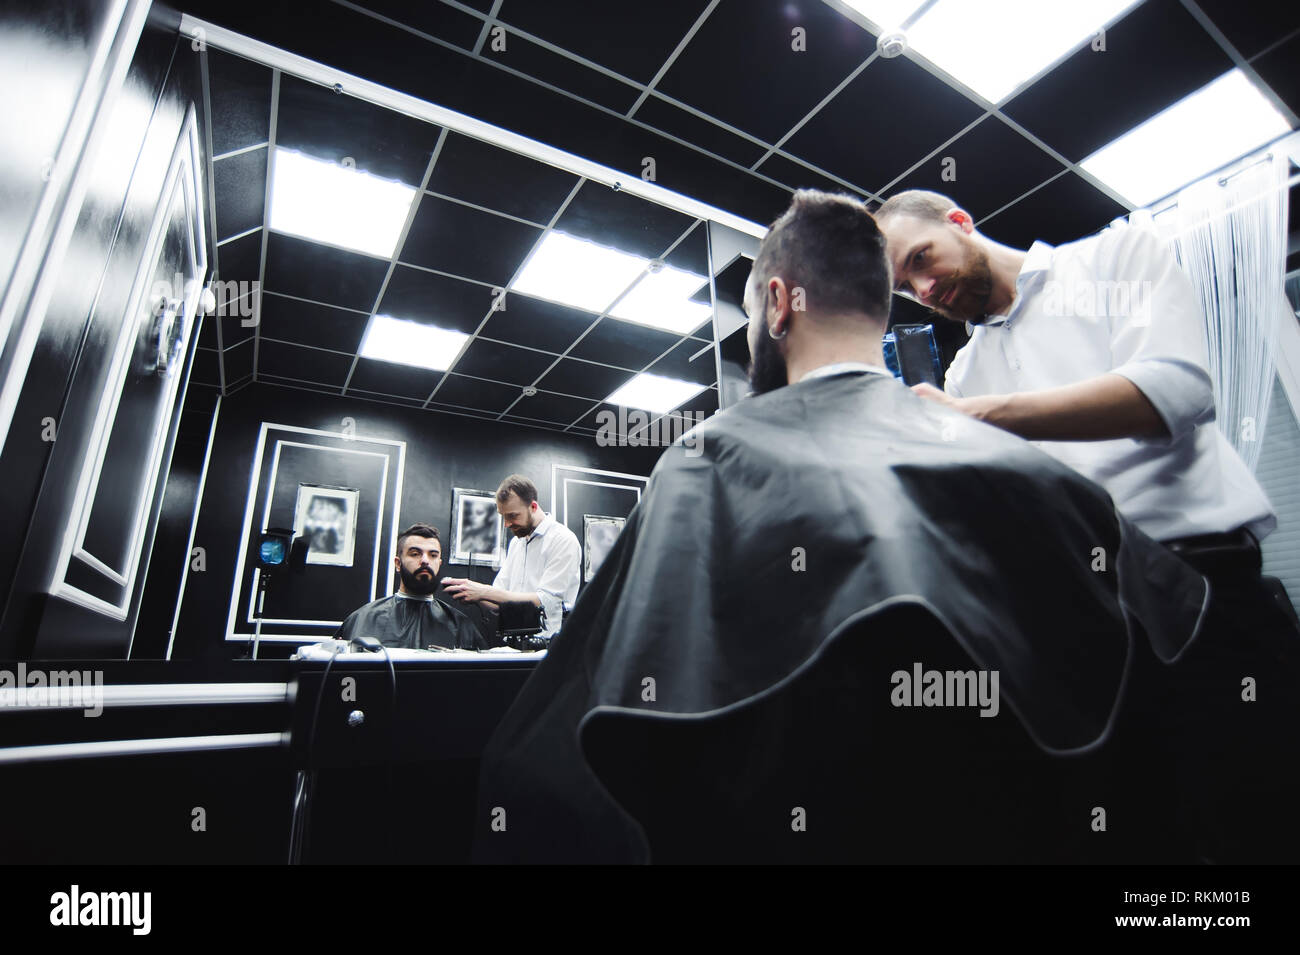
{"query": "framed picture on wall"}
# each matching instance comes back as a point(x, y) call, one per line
point(475, 528)
point(327, 517)
point(598, 536)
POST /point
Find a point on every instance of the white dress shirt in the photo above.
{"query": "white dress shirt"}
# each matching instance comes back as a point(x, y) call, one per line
point(1118, 302)
point(545, 563)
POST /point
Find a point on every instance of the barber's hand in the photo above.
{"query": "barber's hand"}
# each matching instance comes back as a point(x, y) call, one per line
point(461, 588)
point(981, 408)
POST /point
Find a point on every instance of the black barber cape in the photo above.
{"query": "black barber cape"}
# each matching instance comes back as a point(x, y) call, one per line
point(884, 497)
point(413, 623)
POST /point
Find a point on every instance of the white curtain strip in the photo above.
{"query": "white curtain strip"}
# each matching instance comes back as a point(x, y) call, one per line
point(1229, 236)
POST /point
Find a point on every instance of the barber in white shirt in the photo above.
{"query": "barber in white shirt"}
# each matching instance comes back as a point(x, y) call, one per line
point(1096, 350)
point(541, 565)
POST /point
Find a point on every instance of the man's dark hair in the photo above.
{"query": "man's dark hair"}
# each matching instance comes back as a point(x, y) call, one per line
point(828, 245)
point(517, 484)
point(416, 530)
point(918, 204)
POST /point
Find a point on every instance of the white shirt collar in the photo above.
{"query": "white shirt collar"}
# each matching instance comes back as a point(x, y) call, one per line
point(545, 525)
point(1037, 261)
point(840, 367)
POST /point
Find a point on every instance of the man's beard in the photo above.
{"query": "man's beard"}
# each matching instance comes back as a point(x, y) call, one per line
point(767, 368)
point(416, 585)
point(974, 282)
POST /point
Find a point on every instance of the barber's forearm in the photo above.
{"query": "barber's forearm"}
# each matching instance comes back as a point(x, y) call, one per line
point(498, 596)
point(1099, 409)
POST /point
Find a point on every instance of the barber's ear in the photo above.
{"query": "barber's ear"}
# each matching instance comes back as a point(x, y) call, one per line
point(961, 218)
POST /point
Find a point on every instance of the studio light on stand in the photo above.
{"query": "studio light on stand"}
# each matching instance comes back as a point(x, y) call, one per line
point(278, 551)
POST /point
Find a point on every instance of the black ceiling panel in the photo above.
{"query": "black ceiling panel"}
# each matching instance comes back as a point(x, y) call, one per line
point(798, 176)
point(306, 364)
point(486, 359)
point(622, 221)
point(436, 19)
point(677, 363)
point(540, 63)
point(557, 409)
point(416, 295)
point(240, 260)
point(692, 253)
point(1280, 70)
point(585, 380)
point(624, 344)
point(238, 361)
point(1154, 57)
point(307, 323)
point(241, 101)
point(454, 238)
point(328, 125)
point(535, 323)
point(990, 166)
point(388, 378)
point(632, 42)
point(1252, 26)
point(483, 174)
point(676, 121)
point(205, 370)
point(239, 191)
point(890, 117)
point(322, 273)
point(465, 392)
point(1062, 211)
point(741, 66)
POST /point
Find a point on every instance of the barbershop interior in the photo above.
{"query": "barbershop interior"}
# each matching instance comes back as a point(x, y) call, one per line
point(704, 431)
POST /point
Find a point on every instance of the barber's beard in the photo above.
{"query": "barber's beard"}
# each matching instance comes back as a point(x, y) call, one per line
point(767, 367)
point(975, 288)
point(417, 585)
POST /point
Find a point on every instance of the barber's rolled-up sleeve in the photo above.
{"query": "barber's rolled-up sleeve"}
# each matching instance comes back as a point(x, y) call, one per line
point(559, 583)
point(1157, 332)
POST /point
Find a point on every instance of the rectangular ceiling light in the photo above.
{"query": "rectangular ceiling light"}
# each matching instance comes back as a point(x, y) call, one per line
point(327, 202)
point(578, 272)
point(411, 343)
point(993, 46)
point(662, 299)
point(1195, 136)
point(655, 393)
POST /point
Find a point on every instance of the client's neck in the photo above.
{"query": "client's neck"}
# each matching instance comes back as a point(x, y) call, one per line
point(822, 350)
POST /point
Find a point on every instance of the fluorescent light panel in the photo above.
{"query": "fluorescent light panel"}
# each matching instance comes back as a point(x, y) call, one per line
point(411, 343)
point(583, 274)
point(655, 393)
point(326, 202)
point(1197, 135)
point(993, 46)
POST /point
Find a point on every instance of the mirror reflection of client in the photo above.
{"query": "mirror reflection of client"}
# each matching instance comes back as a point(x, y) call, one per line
point(413, 617)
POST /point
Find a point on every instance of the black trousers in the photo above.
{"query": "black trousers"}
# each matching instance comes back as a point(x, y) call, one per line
point(1231, 723)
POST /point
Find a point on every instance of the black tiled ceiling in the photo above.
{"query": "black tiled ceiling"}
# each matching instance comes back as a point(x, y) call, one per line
point(239, 191)
point(741, 66)
point(738, 69)
point(416, 295)
point(991, 163)
point(477, 172)
point(891, 116)
point(386, 378)
point(322, 273)
point(326, 125)
point(601, 32)
point(240, 93)
point(455, 238)
point(1154, 57)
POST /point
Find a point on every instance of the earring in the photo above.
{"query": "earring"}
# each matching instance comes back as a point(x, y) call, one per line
point(776, 338)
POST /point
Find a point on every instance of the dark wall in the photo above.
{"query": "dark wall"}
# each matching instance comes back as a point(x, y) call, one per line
point(443, 451)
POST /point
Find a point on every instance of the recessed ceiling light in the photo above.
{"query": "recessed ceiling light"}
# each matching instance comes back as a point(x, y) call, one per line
point(1195, 136)
point(662, 299)
point(411, 343)
point(578, 272)
point(655, 393)
point(993, 46)
point(327, 202)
